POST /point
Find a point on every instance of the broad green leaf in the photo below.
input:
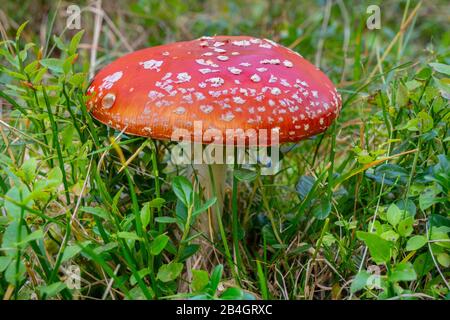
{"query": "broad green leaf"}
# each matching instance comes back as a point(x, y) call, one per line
point(390, 235)
point(158, 244)
point(216, 276)
point(183, 190)
point(11, 238)
point(440, 67)
point(53, 64)
point(38, 234)
point(200, 279)
point(169, 272)
point(29, 169)
point(142, 273)
point(403, 272)
point(205, 206)
point(4, 262)
point(52, 289)
point(360, 281)
point(74, 42)
point(415, 243)
point(17, 194)
point(67, 136)
point(189, 250)
point(402, 95)
point(405, 227)
point(407, 206)
point(128, 235)
point(145, 215)
point(105, 248)
point(322, 209)
point(70, 252)
point(55, 176)
point(236, 294)
point(423, 264)
point(425, 122)
point(394, 215)
point(379, 249)
point(157, 203)
point(97, 211)
point(443, 259)
point(428, 197)
point(14, 274)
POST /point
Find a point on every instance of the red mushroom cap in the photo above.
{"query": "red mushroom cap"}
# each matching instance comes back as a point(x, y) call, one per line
point(224, 81)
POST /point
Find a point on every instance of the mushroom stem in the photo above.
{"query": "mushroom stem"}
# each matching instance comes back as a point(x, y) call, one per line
point(211, 178)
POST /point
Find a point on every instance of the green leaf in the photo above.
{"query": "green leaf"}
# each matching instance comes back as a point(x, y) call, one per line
point(105, 248)
point(440, 67)
point(402, 95)
point(52, 64)
point(70, 252)
point(14, 274)
point(390, 235)
point(157, 203)
point(11, 237)
point(17, 194)
point(394, 215)
point(29, 169)
point(204, 206)
point(52, 289)
point(183, 190)
point(20, 29)
point(360, 281)
point(200, 279)
point(169, 272)
point(322, 209)
point(415, 243)
point(379, 249)
point(403, 272)
point(428, 197)
point(74, 42)
point(405, 227)
point(142, 273)
point(38, 234)
point(236, 294)
point(245, 174)
point(59, 43)
point(444, 259)
point(128, 235)
point(424, 74)
point(216, 275)
point(189, 250)
point(158, 244)
point(97, 211)
point(425, 122)
point(423, 264)
point(145, 215)
point(166, 220)
point(4, 262)
point(55, 175)
point(67, 136)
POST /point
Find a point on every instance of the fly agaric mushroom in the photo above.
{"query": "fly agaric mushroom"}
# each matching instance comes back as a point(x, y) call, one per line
point(224, 82)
